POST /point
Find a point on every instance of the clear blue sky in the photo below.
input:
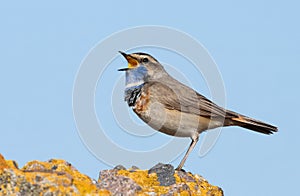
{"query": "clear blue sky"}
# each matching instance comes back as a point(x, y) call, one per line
point(255, 45)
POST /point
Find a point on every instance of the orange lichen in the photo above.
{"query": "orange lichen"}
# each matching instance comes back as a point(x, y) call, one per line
point(61, 178)
point(148, 182)
point(3, 163)
point(64, 173)
point(12, 164)
point(141, 177)
point(55, 176)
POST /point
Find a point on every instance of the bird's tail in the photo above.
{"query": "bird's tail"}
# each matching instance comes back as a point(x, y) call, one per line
point(252, 124)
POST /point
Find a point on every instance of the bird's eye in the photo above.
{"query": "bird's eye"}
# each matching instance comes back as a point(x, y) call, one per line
point(145, 60)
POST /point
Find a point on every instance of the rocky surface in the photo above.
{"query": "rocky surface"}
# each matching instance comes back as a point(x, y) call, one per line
point(58, 177)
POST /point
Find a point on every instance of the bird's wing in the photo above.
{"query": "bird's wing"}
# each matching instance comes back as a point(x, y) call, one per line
point(182, 98)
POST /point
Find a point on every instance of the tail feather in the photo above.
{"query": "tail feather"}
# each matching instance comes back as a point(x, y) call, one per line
point(252, 124)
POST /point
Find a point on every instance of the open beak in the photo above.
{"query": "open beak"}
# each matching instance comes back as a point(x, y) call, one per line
point(132, 62)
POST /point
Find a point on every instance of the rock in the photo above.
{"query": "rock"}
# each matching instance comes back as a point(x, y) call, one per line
point(152, 182)
point(186, 176)
point(133, 168)
point(165, 174)
point(117, 184)
point(58, 177)
point(54, 177)
point(119, 167)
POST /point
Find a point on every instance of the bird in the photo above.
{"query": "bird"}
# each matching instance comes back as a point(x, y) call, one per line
point(172, 107)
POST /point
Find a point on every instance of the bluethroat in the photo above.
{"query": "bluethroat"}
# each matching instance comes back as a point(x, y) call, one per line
point(173, 108)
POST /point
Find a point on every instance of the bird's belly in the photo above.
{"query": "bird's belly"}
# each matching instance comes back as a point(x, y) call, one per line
point(172, 122)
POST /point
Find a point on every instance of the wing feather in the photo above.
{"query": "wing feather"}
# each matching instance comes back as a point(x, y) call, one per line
point(184, 99)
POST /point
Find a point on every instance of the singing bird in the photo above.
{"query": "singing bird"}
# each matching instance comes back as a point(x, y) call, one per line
point(173, 108)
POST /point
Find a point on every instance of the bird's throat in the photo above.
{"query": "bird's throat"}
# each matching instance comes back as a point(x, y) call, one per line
point(135, 79)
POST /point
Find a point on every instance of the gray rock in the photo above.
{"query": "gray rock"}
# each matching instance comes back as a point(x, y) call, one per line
point(120, 167)
point(165, 174)
point(133, 168)
point(185, 176)
point(117, 184)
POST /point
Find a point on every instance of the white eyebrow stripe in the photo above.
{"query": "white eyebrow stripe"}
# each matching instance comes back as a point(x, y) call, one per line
point(134, 84)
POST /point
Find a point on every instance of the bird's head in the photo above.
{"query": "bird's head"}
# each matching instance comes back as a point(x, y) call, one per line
point(142, 68)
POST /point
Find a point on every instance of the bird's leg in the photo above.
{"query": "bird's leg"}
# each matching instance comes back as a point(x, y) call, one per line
point(191, 147)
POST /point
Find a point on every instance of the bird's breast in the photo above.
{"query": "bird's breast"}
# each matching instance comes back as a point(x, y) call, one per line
point(141, 105)
point(167, 120)
point(170, 122)
point(132, 94)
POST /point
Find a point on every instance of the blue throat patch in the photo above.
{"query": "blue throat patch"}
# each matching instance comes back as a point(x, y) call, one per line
point(136, 76)
point(135, 80)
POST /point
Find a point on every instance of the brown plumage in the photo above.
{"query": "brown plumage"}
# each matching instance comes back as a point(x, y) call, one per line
point(173, 108)
point(189, 101)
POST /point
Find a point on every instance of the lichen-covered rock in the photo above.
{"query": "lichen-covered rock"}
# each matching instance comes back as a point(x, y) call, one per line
point(161, 179)
point(53, 177)
point(165, 174)
point(58, 177)
point(116, 184)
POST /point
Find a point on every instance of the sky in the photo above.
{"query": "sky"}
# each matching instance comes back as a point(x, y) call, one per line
point(255, 46)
